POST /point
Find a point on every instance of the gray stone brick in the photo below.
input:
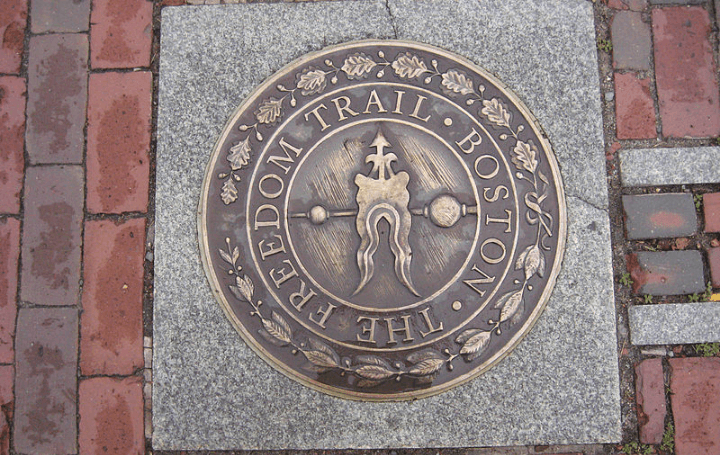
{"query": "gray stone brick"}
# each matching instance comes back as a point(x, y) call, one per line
point(652, 216)
point(59, 15)
point(57, 97)
point(51, 239)
point(666, 272)
point(46, 381)
point(631, 41)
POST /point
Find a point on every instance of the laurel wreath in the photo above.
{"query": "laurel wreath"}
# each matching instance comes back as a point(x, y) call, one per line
point(422, 366)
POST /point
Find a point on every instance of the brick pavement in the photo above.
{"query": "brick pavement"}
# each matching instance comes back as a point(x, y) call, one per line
point(75, 209)
point(75, 145)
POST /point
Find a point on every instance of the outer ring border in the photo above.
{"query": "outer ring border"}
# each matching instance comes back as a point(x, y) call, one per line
point(364, 396)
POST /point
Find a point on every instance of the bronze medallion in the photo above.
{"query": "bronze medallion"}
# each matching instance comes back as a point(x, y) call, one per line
point(382, 220)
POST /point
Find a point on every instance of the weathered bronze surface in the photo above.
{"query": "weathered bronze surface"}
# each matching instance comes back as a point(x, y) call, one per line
point(382, 220)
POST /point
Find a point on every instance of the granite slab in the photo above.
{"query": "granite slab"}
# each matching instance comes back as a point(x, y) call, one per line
point(670, 166)
point(211, 392)
point(675, 323)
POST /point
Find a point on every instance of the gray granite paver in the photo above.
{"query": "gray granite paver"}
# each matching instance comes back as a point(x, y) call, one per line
point(675, 323)
point(670, 166)
point(559, 386)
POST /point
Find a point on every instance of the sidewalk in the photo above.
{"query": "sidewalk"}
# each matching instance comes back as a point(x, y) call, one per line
point(78, 91)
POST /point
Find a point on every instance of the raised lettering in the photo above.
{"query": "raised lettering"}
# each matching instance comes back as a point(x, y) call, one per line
point(507, 221)
point(287, 159)
point(398, 102)
point(314, 112)
point(417, 109)
point(373, 100)
point(344, 108)
point(492, 260)
point(405, 328)
point(270, 222)
point(473, 143)
point(282, 275)
point(369, 330)
point(486, 279)
point(492, 173)
point(496, 194)
point(271, 194)
point(300, 298)
point(429, 324)
point(324, 315)
point(271, 248)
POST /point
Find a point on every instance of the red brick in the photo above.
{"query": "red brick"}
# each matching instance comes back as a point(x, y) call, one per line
point(634, 109)
point(7, 376)
point(59, 15)
point(111, 416)
point(9, 252)
point(714, 260)
point(111, 335)
point(633, 5)
point(12, 134)
point(13, 17)
point(685, 72)
point(51, 238)
point(711, 209)
point(120, 33)
point(118, 168)
point(650, 389)
point(46, 381)
point(695, 399)
point(57, 95)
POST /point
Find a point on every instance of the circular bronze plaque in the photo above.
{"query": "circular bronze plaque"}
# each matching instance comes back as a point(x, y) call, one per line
point(382, 220)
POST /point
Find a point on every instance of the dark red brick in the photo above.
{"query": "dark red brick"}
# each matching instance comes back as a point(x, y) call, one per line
point(633, 5)
point(111, 334)
point(7, 397)
point(111, 416)
point(666, 272)
point(631, 41)
point(9, 253)
point(13, 17)
point(59, 15)
point(12, 133)
point(695, 400)
point(714, 260)
point(650, 389)
point(57, 95)
point(652, 216)
point(121, 33)
point(118, 168)
point(685, 72)
point(51, 238)
point(634, 108)
point(711, 210)
point(46, 381)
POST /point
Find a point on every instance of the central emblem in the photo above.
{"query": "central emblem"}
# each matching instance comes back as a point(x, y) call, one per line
point(384, 197)
point(382, 220)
